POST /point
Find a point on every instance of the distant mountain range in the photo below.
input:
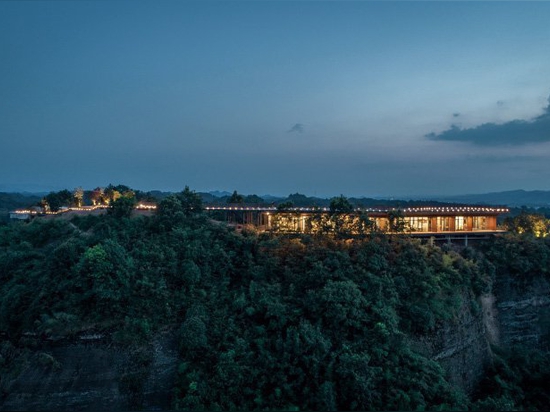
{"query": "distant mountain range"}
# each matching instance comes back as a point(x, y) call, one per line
point(218, 193)
point(511, 198)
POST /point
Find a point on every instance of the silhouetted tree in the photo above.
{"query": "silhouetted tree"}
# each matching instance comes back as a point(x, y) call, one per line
point(122, 207)
point(340, 205)
point(396, 221)
point(285, 205)
point(191, 202)
point(235, 198)
point(56, 200)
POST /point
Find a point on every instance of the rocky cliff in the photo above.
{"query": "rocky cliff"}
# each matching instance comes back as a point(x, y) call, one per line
point(92, 374)
point(460, 345)
point(514, 313)
point(522, 311)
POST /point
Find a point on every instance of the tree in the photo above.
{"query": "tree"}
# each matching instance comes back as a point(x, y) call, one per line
point(191, 202)
point(396, 221)
point(340, 205)
point(176, 208)
point(56, 200)
point(235, 198)
point(285, 205)
point(534, 224)
point(104, 271)
point(343, 218)
point(111, 194)
point(122, 188)
point(97, 196)
point(45, 205)
point(170, 209)
point(122, 207)
point(364, 224)
point(78, 197)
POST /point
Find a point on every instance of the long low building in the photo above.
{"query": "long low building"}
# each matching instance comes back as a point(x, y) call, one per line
point(440, 222)
point(413, 220)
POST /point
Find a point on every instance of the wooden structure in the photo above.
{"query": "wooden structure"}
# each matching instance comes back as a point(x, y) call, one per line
point(447, 223)
point(439, 222)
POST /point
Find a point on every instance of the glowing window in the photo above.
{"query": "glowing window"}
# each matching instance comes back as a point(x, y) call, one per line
point(460, 222)
point(443, 223)
point(479, 223)
point(417, 223)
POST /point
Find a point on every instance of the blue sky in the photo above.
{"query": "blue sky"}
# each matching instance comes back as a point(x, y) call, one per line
point(322, 98)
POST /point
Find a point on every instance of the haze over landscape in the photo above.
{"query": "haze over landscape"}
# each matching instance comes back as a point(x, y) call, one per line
point(361, 98)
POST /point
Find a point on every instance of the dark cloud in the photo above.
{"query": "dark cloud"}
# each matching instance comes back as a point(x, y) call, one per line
point(456, 114)
point(298, 127)
point(515, 132)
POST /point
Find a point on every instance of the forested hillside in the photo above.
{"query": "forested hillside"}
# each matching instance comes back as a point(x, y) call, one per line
point(11, 201)
point(262, 322)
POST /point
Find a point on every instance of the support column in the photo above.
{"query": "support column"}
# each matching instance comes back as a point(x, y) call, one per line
point(469, 223)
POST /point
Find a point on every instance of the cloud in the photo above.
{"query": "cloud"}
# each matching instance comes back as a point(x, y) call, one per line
point(456, 114)
point(298, 127)
point(515, 132)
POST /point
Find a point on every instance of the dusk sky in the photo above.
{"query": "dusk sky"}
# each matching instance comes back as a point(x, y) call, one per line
point(323, 98)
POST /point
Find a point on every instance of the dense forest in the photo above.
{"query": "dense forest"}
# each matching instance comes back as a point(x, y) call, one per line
point(264, 321)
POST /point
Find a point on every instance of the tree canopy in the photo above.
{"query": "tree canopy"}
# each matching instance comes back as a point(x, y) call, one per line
point(261, 321)
point(341, 204)
point(235, 198)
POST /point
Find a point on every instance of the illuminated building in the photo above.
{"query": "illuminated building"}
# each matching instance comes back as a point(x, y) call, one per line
point(446, 222)
point(439, 222)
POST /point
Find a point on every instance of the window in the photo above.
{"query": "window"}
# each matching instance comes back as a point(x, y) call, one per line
point(443, 223)
point(417, 224)
point(480, 223)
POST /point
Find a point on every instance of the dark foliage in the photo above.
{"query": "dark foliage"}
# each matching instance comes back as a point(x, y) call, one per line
point(12, 201)
point(122, 207)
point(55, 200)
point(518, 379)
point(263, 322)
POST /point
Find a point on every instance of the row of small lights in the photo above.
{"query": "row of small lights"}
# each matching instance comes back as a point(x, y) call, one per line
point(80, 209)
point(455, 209)
point(296, 209)
point(410, 209)
point(267, 209)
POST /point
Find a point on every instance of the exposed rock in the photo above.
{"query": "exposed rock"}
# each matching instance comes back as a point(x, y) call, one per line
point(460, 346)
point(490, 318)
point(92, 374)
point(523, 311)
point(96, 376)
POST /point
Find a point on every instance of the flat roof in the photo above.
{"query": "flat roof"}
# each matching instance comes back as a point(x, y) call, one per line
point(408, 211)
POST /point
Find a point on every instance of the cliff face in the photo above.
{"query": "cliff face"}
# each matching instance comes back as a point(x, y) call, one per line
point(522, 312)
point(515, 313)
point(95, 376)
point(460, 345)
point(100, 376)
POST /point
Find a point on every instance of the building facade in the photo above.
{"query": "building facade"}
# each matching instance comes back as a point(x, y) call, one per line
point(414, 220)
